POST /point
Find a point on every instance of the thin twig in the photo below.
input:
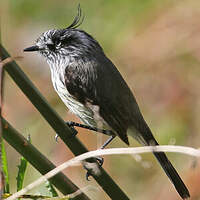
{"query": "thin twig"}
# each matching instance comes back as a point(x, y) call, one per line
point(115, 151)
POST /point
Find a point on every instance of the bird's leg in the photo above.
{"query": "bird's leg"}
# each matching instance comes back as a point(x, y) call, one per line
point(100, 160)
point(108, 141)
point(72, 124)
point(107, 132)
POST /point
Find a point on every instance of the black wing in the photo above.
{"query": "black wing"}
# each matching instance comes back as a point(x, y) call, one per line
point(98, 81)
point(101, 83)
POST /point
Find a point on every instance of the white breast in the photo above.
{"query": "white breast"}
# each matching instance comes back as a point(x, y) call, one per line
point(84, 113)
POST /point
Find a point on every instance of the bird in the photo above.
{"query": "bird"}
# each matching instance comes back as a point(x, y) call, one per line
point(93, 89)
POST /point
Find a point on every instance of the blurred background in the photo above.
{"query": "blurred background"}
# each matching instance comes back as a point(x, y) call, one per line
point(156, 47)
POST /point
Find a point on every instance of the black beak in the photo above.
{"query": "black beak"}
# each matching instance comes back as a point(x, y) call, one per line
point(33, 48)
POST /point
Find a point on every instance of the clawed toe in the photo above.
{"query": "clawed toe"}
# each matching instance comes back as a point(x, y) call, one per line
point(71, 125)
point(56, 137)
point(74, 131)
point(88, 174)
point(99, 161)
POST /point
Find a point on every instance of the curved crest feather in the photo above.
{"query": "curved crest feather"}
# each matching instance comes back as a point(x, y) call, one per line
point(78, 20)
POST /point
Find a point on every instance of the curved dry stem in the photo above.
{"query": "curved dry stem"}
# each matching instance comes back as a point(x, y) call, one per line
point(102, 152)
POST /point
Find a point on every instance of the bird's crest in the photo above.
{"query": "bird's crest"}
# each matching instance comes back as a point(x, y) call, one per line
point(78, 20)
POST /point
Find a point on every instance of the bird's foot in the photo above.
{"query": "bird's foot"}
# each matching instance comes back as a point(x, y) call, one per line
point(99, 160)
point(56, 137)
point(91, 168)
point(71, 126)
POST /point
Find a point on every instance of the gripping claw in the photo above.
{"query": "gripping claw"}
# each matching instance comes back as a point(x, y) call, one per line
point(56, 137)
point(99, 161)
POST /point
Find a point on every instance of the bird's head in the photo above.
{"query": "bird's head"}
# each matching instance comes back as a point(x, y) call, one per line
point(60, 43)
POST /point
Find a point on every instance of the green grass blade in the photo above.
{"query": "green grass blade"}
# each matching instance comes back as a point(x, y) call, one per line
point(21, 173)
point(5, 168)
point(22, 169)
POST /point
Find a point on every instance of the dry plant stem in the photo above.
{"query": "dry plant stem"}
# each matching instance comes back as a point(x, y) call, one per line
point(115, 151)
point(55, 121)
point(38, 160)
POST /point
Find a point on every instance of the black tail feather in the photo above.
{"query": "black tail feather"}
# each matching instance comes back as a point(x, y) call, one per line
point(172, 174)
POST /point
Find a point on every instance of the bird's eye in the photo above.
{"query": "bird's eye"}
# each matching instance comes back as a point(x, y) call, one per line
point(56, 41)
point(51, 47)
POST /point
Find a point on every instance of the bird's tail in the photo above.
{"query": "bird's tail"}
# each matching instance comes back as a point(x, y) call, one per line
point(148, 139)
point(172, 174)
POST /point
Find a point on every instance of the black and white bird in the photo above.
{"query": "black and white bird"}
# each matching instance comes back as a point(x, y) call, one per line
point(93, 89)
